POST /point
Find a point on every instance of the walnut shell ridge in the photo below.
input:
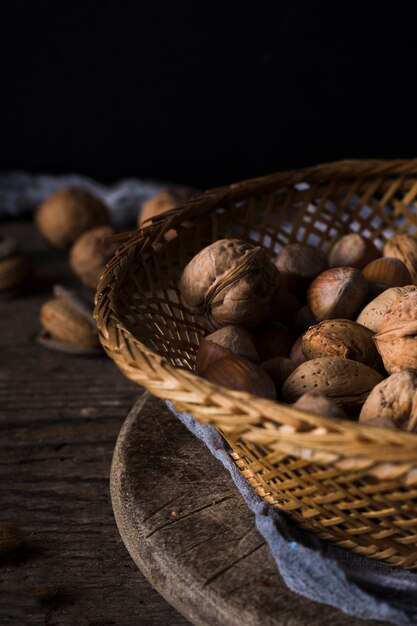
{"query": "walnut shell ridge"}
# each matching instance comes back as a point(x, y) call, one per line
point(230, 282)
point(396, 340)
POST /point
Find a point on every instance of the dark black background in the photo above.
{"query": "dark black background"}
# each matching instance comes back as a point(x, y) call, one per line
point(204, 93)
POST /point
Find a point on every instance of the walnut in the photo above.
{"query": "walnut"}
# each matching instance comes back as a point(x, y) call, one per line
point(68, 213)
point(90, 254)
point(393, 402)
point(230, 282)
point(396, 340)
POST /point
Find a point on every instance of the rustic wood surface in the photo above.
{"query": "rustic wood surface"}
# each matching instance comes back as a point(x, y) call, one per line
point(191, 533)
point(59, 417)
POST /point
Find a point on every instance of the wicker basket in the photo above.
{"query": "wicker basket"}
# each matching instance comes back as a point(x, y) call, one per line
point(352, 485)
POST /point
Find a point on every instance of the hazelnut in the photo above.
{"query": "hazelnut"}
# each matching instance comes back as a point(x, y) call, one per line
point(396, 339)
point(343, 339)
point(68, 213)
point(230, 282)
point(90, 254)
point(389, 271)
point(393, 402)
point(317, 403)
point(297, 355)
point(346, 382)
point(371, 316)
point(339, 292)
point(228, 340)
point(404, 247)
point(160, 203)
point(353, 250)
point(278, 369)
point(299, 264)
point(241, 375)
point(272, 339)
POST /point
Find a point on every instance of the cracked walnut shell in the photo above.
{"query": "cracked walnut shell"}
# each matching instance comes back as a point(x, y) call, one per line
point(230, 282)
point(67, 213)
point(396, 340)
point(393, 403)
point(90, 254)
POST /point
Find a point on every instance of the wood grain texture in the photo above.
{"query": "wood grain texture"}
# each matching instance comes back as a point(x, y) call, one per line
point(191, 533)
point(59, 419)
point(60, 416)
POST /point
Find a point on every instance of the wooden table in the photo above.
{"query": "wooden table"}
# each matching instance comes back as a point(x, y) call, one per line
point(60, 416)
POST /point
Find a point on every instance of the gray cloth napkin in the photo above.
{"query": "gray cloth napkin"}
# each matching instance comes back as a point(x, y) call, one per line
point(20, 193)
point(315, 569)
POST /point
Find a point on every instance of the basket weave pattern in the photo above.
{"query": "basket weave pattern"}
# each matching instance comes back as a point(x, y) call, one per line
point(353, 485)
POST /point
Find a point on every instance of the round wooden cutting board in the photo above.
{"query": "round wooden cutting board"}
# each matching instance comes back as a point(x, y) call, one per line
point(190, 532)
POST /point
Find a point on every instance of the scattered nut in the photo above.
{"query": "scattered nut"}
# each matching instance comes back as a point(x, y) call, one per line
point(67, 214)
point(230, 282)
point(393, 402)
point(343, 339)
point(10, 539)
point(346, 382)
point(404, 247)
point(298, 265)
point(228, 340)
point(396, 339)
point(68, 325)
point(160, 203)
point(371, 316)
point(353, 250)
point(317, 403)
point(241, 375)
point(339, 292)
point(90, 254)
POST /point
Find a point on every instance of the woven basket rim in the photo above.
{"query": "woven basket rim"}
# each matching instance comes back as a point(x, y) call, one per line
point(320, 435)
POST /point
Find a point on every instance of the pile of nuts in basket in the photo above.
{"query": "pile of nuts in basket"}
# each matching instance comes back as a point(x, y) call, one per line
point(331, 334)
